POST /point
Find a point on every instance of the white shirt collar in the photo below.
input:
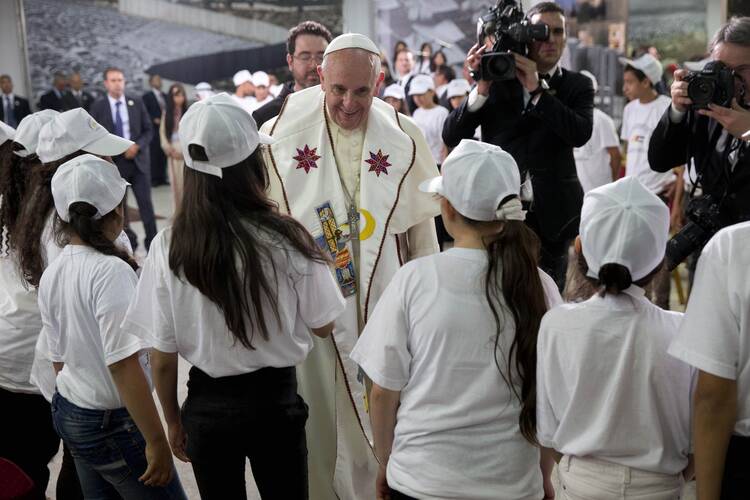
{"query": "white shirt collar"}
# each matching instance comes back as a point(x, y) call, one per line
point(9, 96)
point(112, 100)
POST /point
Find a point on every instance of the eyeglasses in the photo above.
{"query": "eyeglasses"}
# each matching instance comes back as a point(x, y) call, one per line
point(306, 57)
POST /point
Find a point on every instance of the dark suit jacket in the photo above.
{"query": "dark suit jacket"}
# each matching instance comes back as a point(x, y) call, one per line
point(70, 101)
point(49, 100)
point(152, 105)
point(140, 127)
point(273, 108)
point(541, 139)
point(20, 108)
point(673, 144)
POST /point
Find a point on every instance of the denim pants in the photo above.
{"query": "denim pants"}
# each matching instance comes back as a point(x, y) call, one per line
point(109, 453)
point(256, 416)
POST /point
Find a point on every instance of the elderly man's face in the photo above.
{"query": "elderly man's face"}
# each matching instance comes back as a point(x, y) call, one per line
point(349, 82)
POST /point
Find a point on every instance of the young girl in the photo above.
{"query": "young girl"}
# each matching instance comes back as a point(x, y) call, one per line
point(102, 409)
point(451, 346)
point(429, 116)
point(176, 106)
point(610, 401)
point(235, 289)
point(395, 96)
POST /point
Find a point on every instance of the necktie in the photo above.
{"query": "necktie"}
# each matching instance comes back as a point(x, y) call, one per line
point(10, 116)
point(118, 120)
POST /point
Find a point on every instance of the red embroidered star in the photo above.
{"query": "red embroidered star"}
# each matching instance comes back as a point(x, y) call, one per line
point(378, 163)
point(306, 158)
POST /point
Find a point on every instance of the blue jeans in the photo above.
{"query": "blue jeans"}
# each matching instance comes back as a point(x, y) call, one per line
point(109, 453)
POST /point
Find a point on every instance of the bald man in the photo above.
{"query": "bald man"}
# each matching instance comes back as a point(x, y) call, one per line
point(348, 167)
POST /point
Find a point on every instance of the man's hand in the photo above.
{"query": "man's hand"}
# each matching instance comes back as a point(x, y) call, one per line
point(160, 466)
point(473, 59)
point(679, 91)
point(526, 72)
point(178, 440)
point(132, 151)
point(735, 120)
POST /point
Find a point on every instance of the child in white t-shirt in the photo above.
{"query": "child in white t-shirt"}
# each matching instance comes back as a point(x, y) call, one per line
point(102, 409)
point(450, 346)
point(429, 115)
point(610, 401)
point(395, 96)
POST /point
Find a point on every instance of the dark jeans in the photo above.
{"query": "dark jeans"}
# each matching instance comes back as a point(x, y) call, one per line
point(68, 485)
point(256, 416)
point(397, 495)
point(735, 485)
point(27, 437)
point(140, 184)
point(109, 453)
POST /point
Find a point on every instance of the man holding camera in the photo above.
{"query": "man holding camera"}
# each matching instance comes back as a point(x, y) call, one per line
point(538, 117)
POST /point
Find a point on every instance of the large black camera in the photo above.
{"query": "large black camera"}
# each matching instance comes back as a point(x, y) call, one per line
point(704, 220)
point(713, 84)
point(505, 21)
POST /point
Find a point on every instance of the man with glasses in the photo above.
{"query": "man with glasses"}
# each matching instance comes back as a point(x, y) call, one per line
point(305, 46)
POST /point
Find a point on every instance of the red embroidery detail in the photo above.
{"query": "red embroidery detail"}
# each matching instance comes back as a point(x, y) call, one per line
point(378, 163)
point(306, 158)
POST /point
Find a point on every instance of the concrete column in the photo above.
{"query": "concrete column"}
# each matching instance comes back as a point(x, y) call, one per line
point(359, 17)
point(14, 59)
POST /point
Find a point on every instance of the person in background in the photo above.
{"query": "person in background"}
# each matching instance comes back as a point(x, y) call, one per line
point(424, 60)
point(438, 60)
point(155, 102)
point(398, 47)
point(53, 98)
point(203, 90)
point(169, 139)
point(13, 108)
point(261, 84)
point(274, 87)
point(442, 76)
point(456, 92)
point(244, 90)
point(404, 67)
point(75, 96)
point(395, 96)
point(467, 317)
point(387, 78)
point(598, 161)
point(428, 116)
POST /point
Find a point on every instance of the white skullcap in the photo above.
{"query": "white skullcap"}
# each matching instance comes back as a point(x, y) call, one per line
point(351, 41)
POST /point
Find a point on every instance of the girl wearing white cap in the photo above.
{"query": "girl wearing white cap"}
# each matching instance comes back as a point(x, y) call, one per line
point(395, 96)
point(610, 401)
point(235, 288)
point(429, 116)
point(102, 408)
point(451, 346)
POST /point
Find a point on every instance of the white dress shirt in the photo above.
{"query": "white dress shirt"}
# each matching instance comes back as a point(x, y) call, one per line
point(124, 115)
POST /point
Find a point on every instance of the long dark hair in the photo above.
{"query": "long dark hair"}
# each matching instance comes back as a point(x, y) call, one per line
point(169, 109)
point(33, 216)
point(14, 175)
point(216, 247)
point(513, 258)
point(91, 230)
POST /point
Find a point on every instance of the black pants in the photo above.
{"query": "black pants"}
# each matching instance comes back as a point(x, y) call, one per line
point(554, 254)
point(158, 160)
point(397, 495)
point(27, 437)
point(140, 183)
point(256, 416)
point(735, 485)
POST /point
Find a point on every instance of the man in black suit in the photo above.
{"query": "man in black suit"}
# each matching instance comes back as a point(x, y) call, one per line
point(127, 117)
point(539, 123)
point(53, 99)
point(13, 108)
point(155, 101)
point(305, 46)
point(76, 97)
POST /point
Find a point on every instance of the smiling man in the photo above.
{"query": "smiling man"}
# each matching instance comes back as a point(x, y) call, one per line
point(348, 167)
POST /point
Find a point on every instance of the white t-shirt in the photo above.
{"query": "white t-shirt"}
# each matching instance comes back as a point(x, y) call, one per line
point(430, 122)
point(715, 336)
point(176, 317)
point(83, 296)
point(638, 123)
point(431, 336)
point(246, 103)
point(592, 159)
point(607, 389)
point(259, 104)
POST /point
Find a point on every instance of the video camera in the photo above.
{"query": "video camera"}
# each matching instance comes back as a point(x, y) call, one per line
point(704, 220)
point(513, 32)
point(713, 84)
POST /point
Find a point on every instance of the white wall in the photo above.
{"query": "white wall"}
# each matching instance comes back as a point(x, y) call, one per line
point(13, 57)
point(226, 24)
point(359, 17)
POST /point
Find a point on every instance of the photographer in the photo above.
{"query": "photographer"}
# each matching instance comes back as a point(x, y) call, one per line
point(538, 117)
point(710, 135)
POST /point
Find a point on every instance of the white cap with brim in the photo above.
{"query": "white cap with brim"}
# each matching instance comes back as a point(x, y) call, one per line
point(87, 178)
point(7, 133)
point(477, 177)
point(421, 84)
point(648, 64)
point(27, 133)
point(457, 87)
point(394, 90)
point(241, 77)
point(227, 132)
point(351, 41)
point(75, 130)
point(260, 79)
point(624, 223)
point(200, 86)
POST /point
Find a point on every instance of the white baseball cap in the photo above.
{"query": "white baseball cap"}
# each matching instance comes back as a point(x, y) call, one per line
point(351, 41)
point(90, 179)
point(624, 223)
point(647, 63)
point(421, 84)
point(7, 133)
point(76, 130)
point(226, 131)
point(241, 77)
point(260, 79)
point(27, 133)
point(457, 87)
point(394, 90)
point(477, 177)
point(591, 77)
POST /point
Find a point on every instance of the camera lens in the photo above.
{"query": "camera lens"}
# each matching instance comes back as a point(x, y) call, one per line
point(701, 90)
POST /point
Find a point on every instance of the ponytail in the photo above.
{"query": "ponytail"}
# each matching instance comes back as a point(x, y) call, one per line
point(83, 224)
point(614, 278)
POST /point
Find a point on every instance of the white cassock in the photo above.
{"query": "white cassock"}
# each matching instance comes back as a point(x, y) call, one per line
point(313, 166)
